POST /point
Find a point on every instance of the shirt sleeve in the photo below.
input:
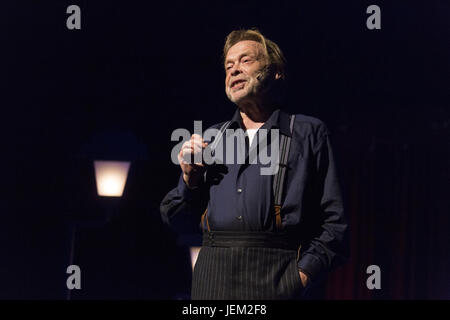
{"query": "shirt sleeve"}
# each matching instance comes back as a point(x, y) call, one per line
point(182, 207)
point(328, 245)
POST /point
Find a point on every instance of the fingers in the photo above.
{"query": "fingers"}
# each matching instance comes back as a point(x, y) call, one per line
point(192, 148)
point(197, 141)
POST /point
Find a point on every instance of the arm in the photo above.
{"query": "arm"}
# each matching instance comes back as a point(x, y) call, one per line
point(327, 246)
point(184, 205)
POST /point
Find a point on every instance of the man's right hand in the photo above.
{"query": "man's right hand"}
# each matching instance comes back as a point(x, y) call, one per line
point(192, 172)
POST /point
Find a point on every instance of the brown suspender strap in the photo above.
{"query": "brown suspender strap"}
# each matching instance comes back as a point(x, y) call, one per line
point(278, 216)
point(278, 180)
point(205, 216)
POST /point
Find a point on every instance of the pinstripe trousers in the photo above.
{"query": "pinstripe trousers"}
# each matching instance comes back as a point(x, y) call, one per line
point(233, 273)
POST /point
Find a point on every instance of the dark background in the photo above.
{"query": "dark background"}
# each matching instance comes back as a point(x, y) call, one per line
point(137, 70)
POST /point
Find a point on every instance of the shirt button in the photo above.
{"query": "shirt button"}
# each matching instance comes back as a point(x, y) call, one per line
point(239, 190)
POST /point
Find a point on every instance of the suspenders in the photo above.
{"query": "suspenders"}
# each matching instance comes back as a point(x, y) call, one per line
point(219, 135)
point(278, 179)
point(213, 147)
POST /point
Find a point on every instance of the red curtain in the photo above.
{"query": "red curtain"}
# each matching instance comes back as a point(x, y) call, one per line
point(396, 197)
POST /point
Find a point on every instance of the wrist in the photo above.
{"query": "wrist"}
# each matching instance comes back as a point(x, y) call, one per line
point(190, 182)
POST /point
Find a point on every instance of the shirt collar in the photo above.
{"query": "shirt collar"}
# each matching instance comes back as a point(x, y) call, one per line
point(278, 119)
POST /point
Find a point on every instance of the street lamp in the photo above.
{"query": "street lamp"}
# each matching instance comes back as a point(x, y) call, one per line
point(111, 177)
point(111, 153)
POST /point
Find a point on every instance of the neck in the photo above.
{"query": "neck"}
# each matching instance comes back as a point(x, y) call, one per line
point(254, 114)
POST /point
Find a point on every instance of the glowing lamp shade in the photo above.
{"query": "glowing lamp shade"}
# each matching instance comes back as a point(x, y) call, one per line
point(194, 255)
point(111, 177)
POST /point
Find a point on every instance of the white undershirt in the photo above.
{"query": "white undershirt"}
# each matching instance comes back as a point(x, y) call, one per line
point(251, 134)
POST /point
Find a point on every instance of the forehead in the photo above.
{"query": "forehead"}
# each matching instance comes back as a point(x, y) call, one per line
point(244, 46)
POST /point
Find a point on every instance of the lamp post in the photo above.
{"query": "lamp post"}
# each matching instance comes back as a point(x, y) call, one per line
point(110, 178)
point(110, 153)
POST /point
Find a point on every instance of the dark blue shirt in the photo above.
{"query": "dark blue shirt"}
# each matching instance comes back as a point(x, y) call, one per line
point(239, 198)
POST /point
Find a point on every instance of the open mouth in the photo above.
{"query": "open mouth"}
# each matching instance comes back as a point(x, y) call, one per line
point(237, 84)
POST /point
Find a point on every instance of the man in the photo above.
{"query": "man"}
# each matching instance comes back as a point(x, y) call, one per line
point(254, 247)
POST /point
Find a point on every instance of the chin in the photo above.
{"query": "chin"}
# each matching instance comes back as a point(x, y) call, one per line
point(236, 98)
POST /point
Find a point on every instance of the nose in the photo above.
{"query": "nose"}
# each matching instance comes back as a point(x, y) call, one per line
point(235, 70)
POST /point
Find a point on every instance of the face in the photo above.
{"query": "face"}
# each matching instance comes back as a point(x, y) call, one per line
point(243, 64)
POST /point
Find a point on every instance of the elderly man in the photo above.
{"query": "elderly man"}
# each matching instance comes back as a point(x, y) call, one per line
point(264, 236)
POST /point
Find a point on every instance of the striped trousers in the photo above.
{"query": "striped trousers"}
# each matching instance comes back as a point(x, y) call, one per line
point(234, 273)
